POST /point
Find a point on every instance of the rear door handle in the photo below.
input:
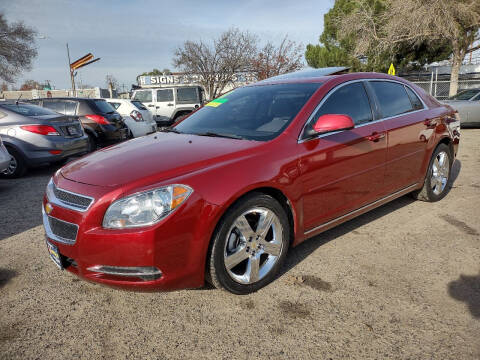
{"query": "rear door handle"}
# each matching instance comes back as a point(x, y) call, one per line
point(170, 104)
point(151, 105)
point(375, 137)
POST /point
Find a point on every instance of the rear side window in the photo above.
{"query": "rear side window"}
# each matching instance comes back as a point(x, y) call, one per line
point(187, 95)
point(392, 98)
point(115, 105)
point(143, 96)
point(103, 106)
point(139, 105)
point(164, 95)
point(416, 103)
point(351, 100)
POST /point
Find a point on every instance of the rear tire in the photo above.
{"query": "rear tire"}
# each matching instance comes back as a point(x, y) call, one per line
point(244, 255)
point(92, 143)
point(17, 167)
point(438, 177)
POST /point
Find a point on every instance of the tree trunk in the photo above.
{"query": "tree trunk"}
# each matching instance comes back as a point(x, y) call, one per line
point(456, 63)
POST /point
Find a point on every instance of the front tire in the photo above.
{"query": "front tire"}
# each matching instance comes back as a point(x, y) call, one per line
point(249, 245)
point(438, 178)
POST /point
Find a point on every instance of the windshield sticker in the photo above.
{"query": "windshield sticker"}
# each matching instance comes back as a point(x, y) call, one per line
point(217, 102)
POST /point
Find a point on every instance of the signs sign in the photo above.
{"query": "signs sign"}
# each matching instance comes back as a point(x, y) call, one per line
point(182, 79)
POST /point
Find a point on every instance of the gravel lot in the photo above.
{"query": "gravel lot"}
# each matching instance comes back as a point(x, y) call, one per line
point(401, 282)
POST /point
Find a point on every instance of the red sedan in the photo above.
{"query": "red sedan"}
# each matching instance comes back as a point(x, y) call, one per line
point(224, 193)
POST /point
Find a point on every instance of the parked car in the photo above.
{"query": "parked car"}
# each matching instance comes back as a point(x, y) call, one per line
point(168, 104)
point(36, 136)
point(103, 125)
point(135, 115)
point(467, 103)
point(251, 174)
point(4, 157)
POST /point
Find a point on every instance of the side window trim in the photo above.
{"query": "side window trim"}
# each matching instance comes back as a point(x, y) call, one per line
point(302, 138)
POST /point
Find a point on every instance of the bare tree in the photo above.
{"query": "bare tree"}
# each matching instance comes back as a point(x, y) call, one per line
point(216, 63)
point(272, 60)
point(17, 49)
point(112, 83)
point(30, 85)
point(410, 22)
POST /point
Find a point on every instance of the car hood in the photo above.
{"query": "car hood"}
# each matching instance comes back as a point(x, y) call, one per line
point(158, 156)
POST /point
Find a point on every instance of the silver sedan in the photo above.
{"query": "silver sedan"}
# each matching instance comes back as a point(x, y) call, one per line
point(467, 103)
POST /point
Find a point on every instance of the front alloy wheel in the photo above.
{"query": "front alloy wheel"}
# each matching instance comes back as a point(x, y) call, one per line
point(249, 245)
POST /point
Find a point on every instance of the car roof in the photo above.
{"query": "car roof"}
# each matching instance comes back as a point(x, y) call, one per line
point(69, 98)
point(324, 75)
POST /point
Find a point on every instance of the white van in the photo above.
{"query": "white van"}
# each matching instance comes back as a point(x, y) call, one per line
point(167, 104)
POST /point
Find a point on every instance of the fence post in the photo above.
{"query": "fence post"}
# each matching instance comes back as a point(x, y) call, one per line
point(431, 84)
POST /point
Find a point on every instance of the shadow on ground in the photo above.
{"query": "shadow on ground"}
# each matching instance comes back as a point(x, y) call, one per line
point(21, 201)
point(467, 289)
point(5, 276)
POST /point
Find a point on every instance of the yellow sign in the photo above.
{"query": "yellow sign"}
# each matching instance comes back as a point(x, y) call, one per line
point(391, 71)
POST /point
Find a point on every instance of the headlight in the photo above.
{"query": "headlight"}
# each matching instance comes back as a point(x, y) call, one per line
point(145, 208)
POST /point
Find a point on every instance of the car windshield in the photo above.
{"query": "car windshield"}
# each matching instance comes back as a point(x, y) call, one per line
point(253, 112)
point(465, 94)
point(28, 109)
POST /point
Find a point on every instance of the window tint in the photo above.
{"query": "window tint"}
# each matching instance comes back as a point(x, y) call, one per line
point(139, 105)
point(70, 107)
point(351, 100)
point(164, 95)
point(392, 98)
point(28, 109)
point(103, 106)
point(416, 103)
point(187, 95)
point(58, 106)
point(143, 96)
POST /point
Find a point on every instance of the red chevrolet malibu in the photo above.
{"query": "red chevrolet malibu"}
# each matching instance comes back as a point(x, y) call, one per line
point(223, 194)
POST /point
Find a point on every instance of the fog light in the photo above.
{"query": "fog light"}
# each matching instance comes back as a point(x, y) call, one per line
point(143, 272)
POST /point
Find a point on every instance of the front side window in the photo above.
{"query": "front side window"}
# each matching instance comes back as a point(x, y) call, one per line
point(392, 98)
point(187, 95)
point(351, 100)
point(143, 96)
point(164, 95)
point(254, 112)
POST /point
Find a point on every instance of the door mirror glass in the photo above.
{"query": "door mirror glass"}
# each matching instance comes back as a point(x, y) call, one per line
point(333, 122)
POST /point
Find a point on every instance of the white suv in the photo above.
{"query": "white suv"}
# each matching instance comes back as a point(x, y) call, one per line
point(135, 115)
point(167, 104)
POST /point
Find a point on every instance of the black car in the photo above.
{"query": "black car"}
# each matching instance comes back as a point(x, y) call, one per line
point(103, 125)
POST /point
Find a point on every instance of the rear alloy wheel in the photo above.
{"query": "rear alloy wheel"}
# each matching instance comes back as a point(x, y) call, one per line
point(17, 166)
point(438, 176)
point(250, 245)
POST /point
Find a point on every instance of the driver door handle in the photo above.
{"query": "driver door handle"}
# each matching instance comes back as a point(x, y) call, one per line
point(170, 104)
point(375, 137)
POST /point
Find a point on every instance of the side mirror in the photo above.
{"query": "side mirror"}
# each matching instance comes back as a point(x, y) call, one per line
point(333, 122)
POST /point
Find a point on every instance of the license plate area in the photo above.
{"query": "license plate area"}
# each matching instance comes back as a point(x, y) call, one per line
point(54, 254)
point(72, 130)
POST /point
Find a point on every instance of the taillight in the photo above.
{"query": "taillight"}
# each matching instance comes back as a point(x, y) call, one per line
point(136, 115)
point(55, 152)
point(41, 129)
point(99, 119)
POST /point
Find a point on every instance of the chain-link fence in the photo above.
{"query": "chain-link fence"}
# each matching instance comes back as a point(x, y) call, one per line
point(440, 89)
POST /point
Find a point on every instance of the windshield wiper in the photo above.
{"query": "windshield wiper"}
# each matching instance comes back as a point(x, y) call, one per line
point(169, 129)
point(228, 136)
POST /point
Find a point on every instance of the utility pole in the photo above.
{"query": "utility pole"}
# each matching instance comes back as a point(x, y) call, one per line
point(71, 72)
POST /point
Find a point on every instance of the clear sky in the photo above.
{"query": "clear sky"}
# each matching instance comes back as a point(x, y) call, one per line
point(131, 37)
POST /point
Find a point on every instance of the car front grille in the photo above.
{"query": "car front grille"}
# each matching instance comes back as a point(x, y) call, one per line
point(62, 231)
point(72, 200)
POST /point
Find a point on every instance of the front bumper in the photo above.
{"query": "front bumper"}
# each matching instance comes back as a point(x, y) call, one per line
point(173, 250)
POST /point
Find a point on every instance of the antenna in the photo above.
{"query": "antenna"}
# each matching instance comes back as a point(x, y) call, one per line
point(16, 102)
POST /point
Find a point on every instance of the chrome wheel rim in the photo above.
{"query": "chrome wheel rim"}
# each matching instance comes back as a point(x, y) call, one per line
point(253, 245)
point(11, 167)
point(440, 172)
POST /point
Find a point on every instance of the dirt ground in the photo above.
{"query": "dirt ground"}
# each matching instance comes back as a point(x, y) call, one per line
point(401, 282)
